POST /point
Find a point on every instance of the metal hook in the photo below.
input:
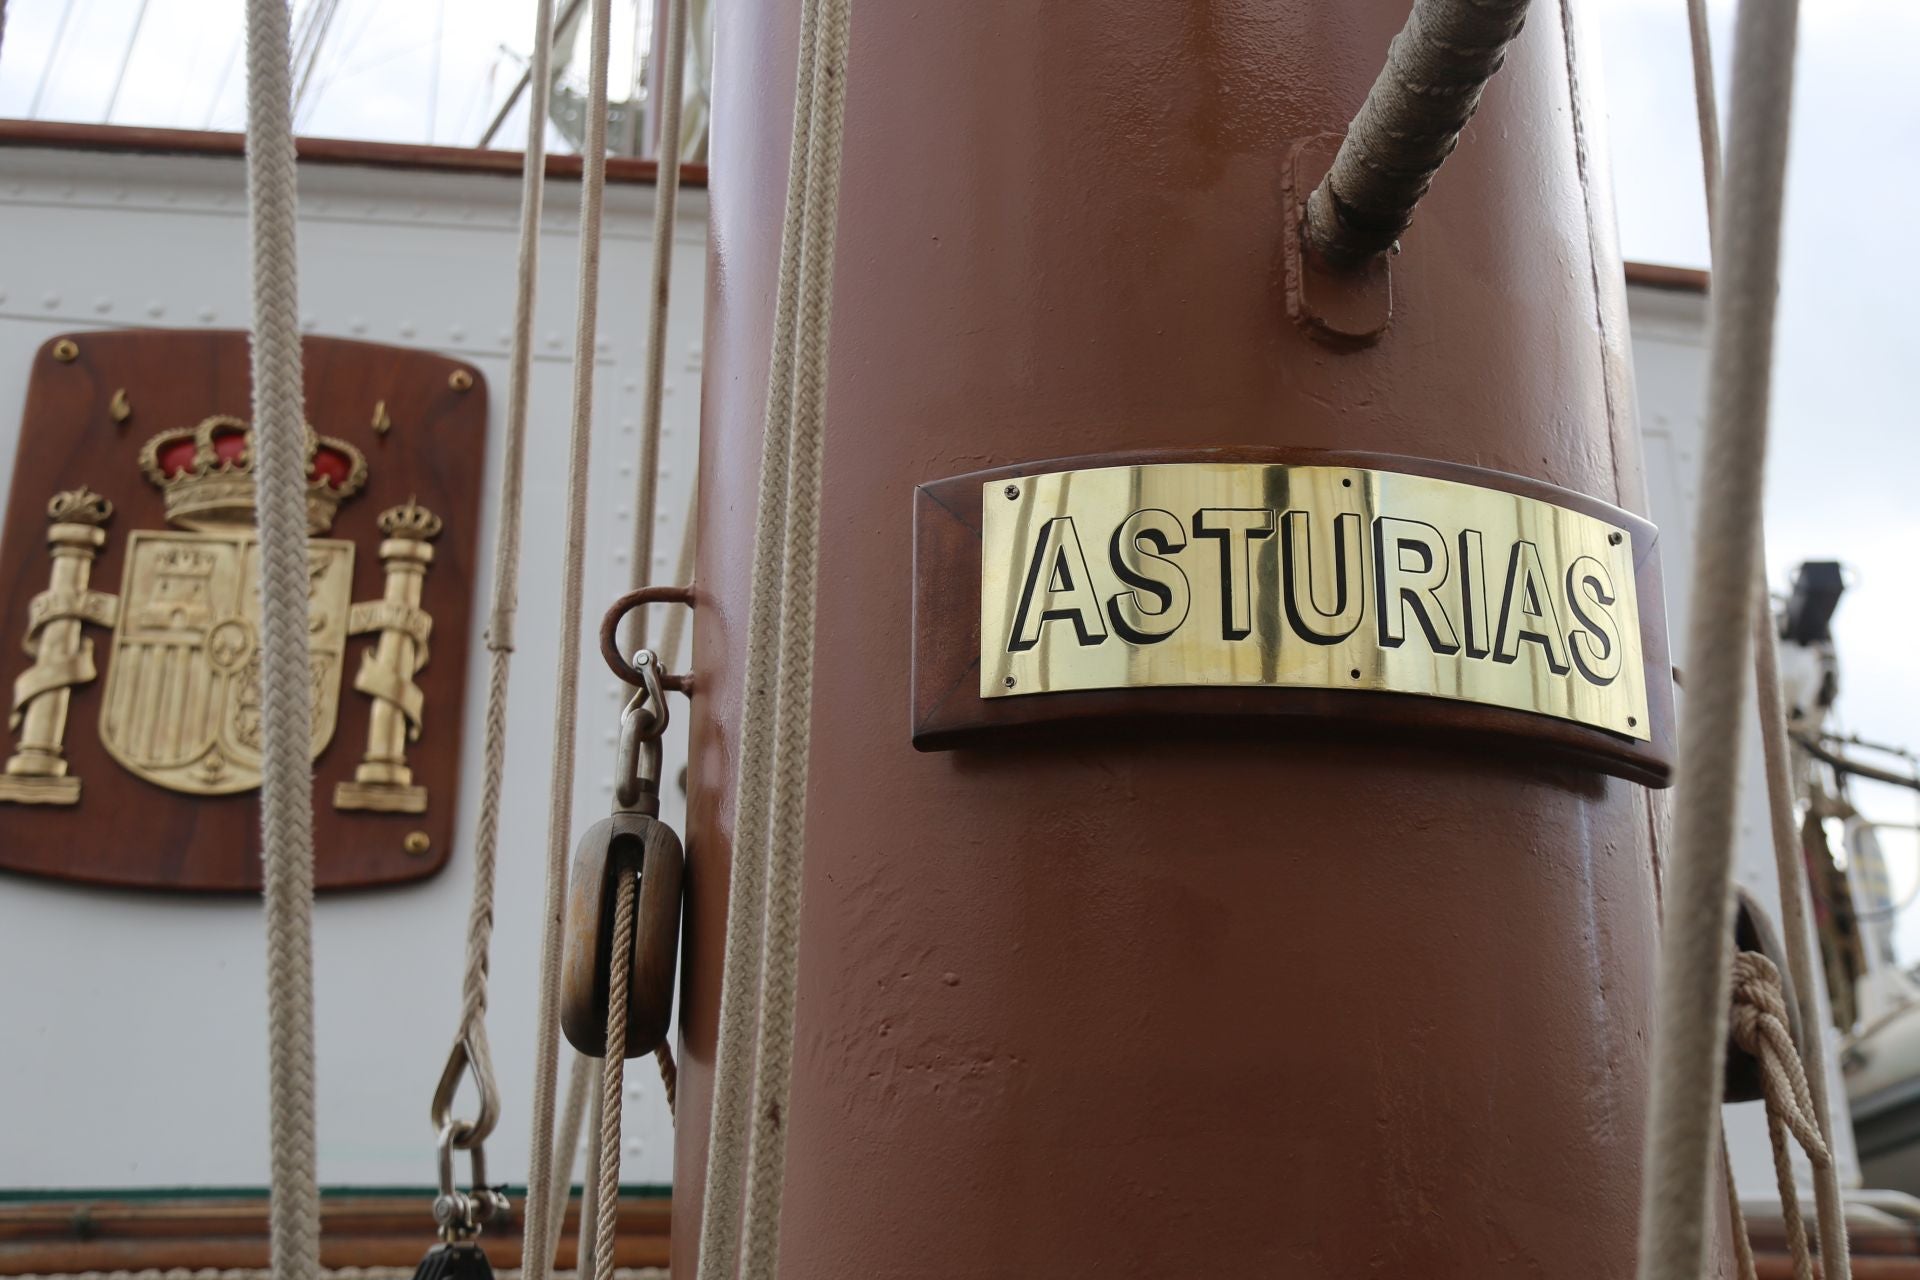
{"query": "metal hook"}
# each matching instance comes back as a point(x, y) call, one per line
point(459, 1061)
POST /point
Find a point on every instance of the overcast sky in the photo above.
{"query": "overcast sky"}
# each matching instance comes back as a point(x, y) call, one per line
point(1846, 457)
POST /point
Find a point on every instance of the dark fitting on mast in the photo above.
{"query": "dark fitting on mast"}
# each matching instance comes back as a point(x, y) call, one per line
point(1437, 68)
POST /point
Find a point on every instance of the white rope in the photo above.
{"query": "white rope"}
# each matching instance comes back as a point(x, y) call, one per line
point(793, 725)
point(472, 1030)
point(746, 1158)
point(666, 203)
point(286, 766)
point(1694, 979)
point(546, 1045)
point(729, 1127)
point(1788, 868)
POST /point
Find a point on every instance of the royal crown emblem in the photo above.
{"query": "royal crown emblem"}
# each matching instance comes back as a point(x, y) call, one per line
point(206, 475)
point(176, 699)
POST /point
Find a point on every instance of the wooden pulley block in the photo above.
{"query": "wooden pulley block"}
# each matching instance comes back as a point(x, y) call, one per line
point(1754, 931)
point(623, 845)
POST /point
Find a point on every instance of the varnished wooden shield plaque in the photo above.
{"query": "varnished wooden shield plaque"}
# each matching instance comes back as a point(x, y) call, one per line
point(130, 585)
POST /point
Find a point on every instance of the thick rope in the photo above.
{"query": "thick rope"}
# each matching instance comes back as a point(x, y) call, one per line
point(472, 1030)
point(1694, 975)
point(546, 1044)
point(666, 203)
point(1761, 1029)
point(1789, 870)
point(1437, 67)
point(613, 1078)
point(747, 1144)
point(729, 1129)
point(286, 704)
point(793, 724)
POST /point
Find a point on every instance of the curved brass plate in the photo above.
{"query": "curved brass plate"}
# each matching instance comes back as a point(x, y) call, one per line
point(1326, 577)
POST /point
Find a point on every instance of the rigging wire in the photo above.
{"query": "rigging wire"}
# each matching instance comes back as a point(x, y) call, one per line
point(433, 76)
point(53, 59)
point(560, 25)
point(546, 1047)
point(126, 60)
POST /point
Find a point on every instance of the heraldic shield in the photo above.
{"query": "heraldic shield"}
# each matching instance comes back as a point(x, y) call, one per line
point(130, 568)
point(182, 705)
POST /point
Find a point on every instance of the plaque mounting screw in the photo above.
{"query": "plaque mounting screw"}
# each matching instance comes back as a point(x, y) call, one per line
point(1009, 682)
point(460, 380)
point(66, 351)
point(417, 843)
point(1613, 539)
point(1012, 491)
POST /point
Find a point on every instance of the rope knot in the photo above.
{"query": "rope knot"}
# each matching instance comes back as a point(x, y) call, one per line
point(1760, 1022)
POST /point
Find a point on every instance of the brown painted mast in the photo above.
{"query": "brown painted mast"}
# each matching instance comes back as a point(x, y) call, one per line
point(1212, 998)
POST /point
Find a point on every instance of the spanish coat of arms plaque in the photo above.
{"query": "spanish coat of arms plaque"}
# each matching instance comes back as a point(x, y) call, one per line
point(130, 567)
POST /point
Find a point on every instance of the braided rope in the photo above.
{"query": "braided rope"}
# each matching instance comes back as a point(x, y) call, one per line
point(793, 723)
point(729, 1128)
point(1694, 973)
point(546, 1044)
point(747, 1146)
point(286, 711)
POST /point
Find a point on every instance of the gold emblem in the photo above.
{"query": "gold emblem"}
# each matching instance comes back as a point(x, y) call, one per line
point(181, 706)
point(1219, 573)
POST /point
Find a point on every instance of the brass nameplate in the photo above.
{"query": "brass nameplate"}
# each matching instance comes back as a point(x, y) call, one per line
point(1222, 573)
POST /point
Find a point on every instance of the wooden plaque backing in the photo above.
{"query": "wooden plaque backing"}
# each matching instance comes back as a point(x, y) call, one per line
point(949, 712)
point(126, 831)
